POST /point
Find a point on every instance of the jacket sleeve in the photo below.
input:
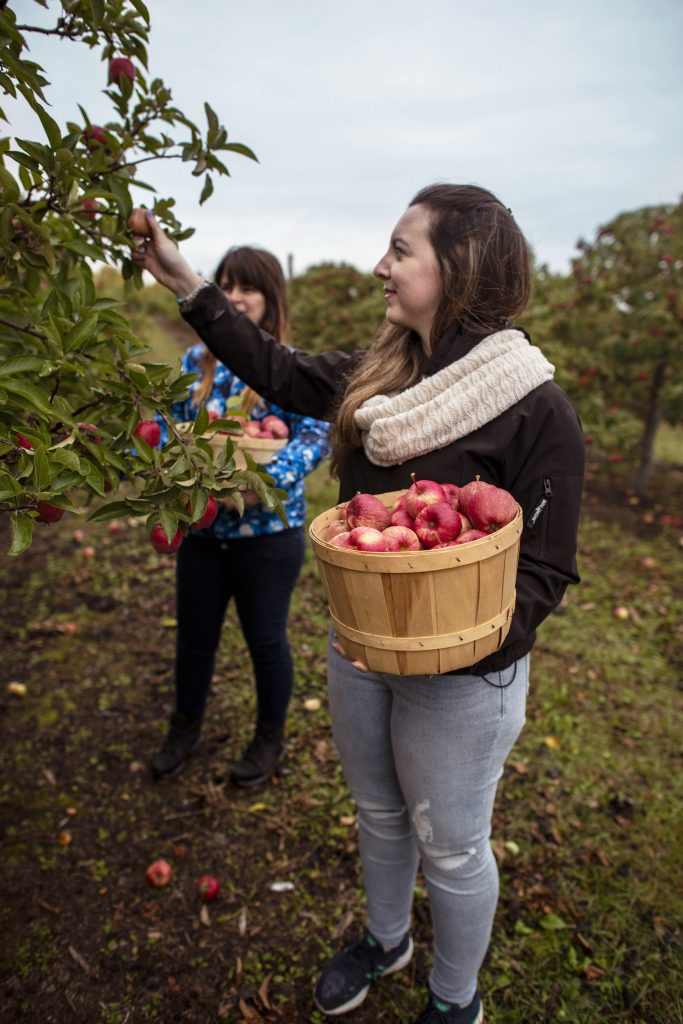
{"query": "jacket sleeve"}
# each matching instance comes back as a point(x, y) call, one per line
point(544, 470)
point(296, 381)
point(309, 444)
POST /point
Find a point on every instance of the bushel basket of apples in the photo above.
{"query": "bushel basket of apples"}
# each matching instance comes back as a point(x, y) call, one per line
point(421, 581)
point(262, 439)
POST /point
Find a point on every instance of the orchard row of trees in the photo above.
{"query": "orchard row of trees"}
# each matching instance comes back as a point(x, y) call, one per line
point(75, 383)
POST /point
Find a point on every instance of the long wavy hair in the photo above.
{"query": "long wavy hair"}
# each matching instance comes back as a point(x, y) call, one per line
point(254, 268)
point(485, 267)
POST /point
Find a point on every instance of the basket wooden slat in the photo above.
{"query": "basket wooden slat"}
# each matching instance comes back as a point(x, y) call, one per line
point(420, 612)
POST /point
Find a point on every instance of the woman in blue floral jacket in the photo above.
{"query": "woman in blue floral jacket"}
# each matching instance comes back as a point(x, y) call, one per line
point(252, 557)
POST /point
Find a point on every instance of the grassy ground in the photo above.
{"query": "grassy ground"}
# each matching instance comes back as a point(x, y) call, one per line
point(587, 824)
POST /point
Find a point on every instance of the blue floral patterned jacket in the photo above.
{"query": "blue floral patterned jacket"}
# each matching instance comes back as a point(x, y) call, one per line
point(308, 445)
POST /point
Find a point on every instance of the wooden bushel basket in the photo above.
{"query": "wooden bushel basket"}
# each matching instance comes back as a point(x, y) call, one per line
point(420, 612)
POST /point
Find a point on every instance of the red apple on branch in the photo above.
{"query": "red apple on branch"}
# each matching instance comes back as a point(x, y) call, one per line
point(149, 431)
point(24, 442)
point(121, 66)
point(94, 135)
point(210, 513)
point(161, 542)
point(138, 224)
point(48, 513)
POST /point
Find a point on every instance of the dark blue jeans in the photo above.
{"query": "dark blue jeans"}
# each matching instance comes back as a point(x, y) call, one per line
point(260, 573)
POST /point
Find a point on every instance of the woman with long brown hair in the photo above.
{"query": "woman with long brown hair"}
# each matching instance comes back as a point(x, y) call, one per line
point(252, 557)
point(451, 389)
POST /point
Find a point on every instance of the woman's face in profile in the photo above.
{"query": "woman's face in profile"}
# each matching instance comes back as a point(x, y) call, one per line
point(247, 299)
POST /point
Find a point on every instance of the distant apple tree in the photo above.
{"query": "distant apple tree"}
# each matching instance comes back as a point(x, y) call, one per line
point(623, 333)
point(74, 382)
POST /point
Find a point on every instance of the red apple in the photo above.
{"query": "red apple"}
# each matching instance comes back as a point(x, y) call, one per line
point(162, 544)
point(252, 428)
point(90, 208)
point(451, 491)
point(210, 513)
point(334, 529)
point(159, 874)
point(89, 552)
point(401, 518)
point(24, 442)
point(470, 535)
point(90, 428)
point(48, 513)
point(149, 431)
point(621, 613)
point(437, 524)
point(276, 426)
point(121, 66)
point(467, 493)
point(401, 538)
point(367, 510)
point(208, 888)
point(491, 507)
point(367, 538)
point(114, 526)
point(138, 224)
point(94, 135)
point(342, 540)
point(422, 493)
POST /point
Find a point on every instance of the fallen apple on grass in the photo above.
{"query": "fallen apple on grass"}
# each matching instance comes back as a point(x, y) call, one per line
point(159, 874)
point(208, 888)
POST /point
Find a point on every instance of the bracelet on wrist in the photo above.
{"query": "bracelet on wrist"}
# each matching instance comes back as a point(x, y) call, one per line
point(185, 303)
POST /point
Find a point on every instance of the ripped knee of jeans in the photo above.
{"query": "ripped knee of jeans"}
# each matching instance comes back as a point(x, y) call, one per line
point(447, 861)
point(383, 822)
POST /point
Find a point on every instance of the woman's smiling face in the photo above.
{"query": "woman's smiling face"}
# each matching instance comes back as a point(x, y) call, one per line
point(410, 271)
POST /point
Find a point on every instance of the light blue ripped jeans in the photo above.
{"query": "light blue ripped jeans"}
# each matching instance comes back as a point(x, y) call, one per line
point(422, 756)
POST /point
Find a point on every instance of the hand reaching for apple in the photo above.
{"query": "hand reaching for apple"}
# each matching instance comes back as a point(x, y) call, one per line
point(160, 256)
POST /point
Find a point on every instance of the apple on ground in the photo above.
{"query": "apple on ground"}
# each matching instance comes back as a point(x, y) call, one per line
point(159, 874)
point(367, 538)
point(437, 524)
point(401, 538)
point(149, 431)
point(161, 542)
point(121, 66)
point(467, 493)
point(491, 507)
point(48, 513)
point(367, 510)
point(621, 613)
point(114, 526)
point(89, 552)
point(422, 493)
point(208, 888)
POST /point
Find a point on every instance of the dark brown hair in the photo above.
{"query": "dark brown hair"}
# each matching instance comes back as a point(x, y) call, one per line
point(255, 268)
point(486, 272)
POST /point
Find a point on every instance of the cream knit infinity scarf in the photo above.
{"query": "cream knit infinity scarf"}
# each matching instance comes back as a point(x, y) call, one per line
point(472, 391)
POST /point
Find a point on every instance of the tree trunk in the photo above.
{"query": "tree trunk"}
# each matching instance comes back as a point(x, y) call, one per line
point(641, 475)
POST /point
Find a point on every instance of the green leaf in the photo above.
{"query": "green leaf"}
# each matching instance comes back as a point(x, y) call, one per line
point(22, 532)
point(112, 510)
point(95, 479)
point(238, 147)
point(52, 129)
point(211, 118)
point(41, 469)
point(23, 364)
point(207, 190)
point(8, 185)
point(202, 421)
point(169, 521)
point(32, 395)
point(552, 923)
point(82, 332)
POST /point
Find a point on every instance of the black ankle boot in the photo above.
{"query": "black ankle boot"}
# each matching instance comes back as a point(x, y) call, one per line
point(262, 756)
point(183, 736)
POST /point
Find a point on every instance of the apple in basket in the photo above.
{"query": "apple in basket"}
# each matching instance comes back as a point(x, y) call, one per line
point(470, 535)
point(366, 538)
point(451, 491)
point(422, 493)
point(252, 428)
point(492, 507)
point(367, 510)
point(277, 427)
point(334, 529)
point(401, 538)
point(468, 492)
point(437, 524)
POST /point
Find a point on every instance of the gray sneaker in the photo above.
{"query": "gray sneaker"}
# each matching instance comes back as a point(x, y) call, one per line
point(182, 738)
point(346, 979)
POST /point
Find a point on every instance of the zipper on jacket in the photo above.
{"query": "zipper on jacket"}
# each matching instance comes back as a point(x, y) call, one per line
point(541, 509)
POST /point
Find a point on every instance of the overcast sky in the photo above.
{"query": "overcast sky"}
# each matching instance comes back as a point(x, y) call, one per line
point(571, 112)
